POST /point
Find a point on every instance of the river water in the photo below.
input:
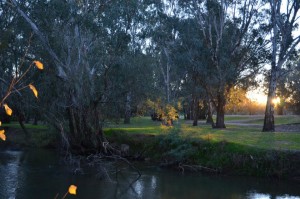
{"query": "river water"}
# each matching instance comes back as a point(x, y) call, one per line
point(42, 174)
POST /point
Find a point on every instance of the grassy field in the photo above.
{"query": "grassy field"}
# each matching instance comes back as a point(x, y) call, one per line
point(259, 119)
point(241, 130)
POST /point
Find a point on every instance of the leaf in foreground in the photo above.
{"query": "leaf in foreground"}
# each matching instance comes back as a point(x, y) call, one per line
point(35, 92)
point(39, 65)
point(7, 109)
point(72, 189)
point(2, 135)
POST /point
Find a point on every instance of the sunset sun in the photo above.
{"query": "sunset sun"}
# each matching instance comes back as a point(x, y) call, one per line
point(257, 95)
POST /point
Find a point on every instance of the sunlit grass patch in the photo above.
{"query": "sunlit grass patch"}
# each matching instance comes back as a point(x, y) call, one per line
point(139, 125)
point(279, 119)
point(242, 117)
point(251, 136)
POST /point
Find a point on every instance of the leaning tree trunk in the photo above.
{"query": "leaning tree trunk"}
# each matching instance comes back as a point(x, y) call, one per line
point(220, 122)
point(20, 116)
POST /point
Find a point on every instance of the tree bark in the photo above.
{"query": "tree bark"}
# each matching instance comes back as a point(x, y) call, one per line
point(166, 75)
point(21, 120)
point(280, 109)
point(35, 120)
point(127, 109)
point(195, 111)
point(209, 119)
point(269, 123)
point(220, 122)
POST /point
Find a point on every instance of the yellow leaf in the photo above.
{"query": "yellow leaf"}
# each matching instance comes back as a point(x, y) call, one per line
point(0, 123)
point(35, 92)
point(7, 109)
point(2, 135)
point(39, 65)
point(72, 189)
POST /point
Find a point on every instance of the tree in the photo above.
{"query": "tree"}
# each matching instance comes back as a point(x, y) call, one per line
point(289, 85)
point(283, 24)
point(232, 46)
point(85, 42)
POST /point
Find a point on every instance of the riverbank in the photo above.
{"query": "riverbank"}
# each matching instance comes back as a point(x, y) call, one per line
point(240, 149)
point(190, 154)
point(237, 150)
point(38, 137)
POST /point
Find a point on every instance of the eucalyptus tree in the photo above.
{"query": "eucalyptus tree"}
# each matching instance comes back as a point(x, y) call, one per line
point(288, 86)
point(228, 30)
point(191, 56)
point(283, 20)
point(162, 22)
point(293, 86)
point(85, 41)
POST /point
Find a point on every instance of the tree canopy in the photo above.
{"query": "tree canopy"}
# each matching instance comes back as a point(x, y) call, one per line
point(106, 60)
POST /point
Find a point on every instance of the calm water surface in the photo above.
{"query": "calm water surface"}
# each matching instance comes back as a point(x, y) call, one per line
point(41, 174)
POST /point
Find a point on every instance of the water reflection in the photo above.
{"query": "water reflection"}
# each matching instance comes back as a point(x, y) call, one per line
point(254, 195)
point(9, 174)
point(39, 174)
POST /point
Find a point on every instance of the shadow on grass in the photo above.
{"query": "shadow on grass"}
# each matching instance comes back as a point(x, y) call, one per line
point(175, 148)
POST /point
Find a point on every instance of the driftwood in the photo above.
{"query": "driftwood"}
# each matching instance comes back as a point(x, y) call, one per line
point(196, 168)
point(183, 167)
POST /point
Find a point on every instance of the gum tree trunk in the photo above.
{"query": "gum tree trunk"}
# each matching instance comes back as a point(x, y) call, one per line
point(283, 45)
point(220, 122)
point(269, 123)
point(209, 119)
point(127, 109)
point(195, 111)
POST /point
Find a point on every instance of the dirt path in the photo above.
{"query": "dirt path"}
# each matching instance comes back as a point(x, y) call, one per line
point(278, 128)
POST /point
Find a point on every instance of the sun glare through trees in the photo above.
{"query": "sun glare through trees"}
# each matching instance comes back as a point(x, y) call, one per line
point(191, 85)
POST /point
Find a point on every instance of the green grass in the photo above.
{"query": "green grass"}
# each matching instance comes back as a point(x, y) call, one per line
point(40, 135)
point(248, 136)
point(241, 135)
point(259, 119)
point(241, 117)
point(139, 125)
point(28, 126)
point(279, 119)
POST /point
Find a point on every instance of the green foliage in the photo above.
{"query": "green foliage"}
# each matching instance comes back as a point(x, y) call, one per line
point(163, 112)
point(175, 147)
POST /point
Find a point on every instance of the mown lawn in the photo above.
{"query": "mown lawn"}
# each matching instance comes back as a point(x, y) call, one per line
point(241, 135)
point(141, 125)
point(259, 119)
